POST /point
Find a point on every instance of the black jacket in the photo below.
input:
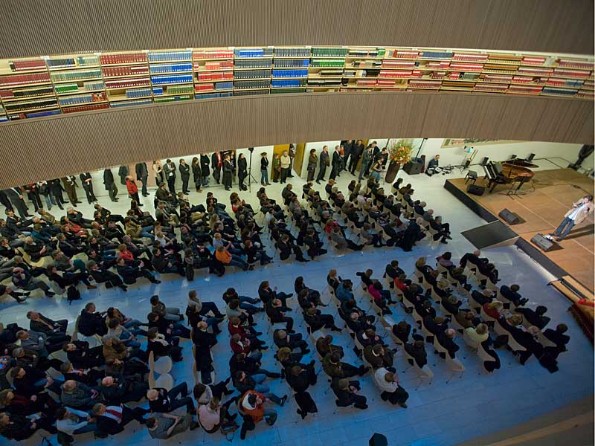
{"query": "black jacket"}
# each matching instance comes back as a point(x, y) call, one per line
point(141, 171)
point(108, 177)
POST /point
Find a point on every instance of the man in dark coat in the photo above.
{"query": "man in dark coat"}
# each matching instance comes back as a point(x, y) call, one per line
point(324, 163)
point(142, 174)
point(110, 184)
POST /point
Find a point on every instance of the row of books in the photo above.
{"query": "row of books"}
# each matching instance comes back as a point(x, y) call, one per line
point(113, 59)
point(169, 56)
point(63, 76)
point(170, 68)
point(213, 95)
point(289, 63)
point(138, 93)
point(82, 99)
point(290, 73)
point(252, 74)
point(253, 52)
point(292, 52)
point(252, 84)
point(173, 79)
point(287, 83)
point(125, 70)
point(78, 61)
point(260, 63)
point(215, 76)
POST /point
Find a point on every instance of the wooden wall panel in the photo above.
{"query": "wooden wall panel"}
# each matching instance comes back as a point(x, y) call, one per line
point(54, 146)
point(33, 27)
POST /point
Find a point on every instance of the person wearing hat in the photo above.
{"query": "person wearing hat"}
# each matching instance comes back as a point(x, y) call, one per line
point(388, 383)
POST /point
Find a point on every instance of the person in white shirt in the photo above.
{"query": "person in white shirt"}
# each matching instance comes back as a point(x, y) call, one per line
point(388, 383)
point(579, 212)
point(285, 166)
point(72, 421)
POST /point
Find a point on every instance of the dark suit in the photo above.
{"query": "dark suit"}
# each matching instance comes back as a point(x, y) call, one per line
point(216, 164)
point(185, 175)
point(15, 194)
point(142, 174)
point(110, 185)
point(324, 162)
point(336, 165)
point(88, 186)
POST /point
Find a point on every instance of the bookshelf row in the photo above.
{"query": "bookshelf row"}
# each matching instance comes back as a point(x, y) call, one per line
point(41, 86)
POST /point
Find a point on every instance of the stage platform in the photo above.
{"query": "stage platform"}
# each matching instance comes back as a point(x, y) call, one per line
point(542, 205)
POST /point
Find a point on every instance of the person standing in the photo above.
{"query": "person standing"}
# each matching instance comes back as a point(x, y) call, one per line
point(87, 183)
point(291, 158)
point(15, 194)
point(132, 189)
point(44, 189)
point(56, 191)
point(70, 187)
point(33, 195)
point(242, 171)
point(170, 175)
point(367, 158)
point(142, 175)
point(285, 163)
point(110, 184)
point(185, 175)
point(312, 161)
point(217, 164)
point(264, 169)
point(348, 147)
point(356, 153)
point(205, 169)
point(227, 172)
point(336, 163)
point(123, 173)
point(276, 168)
point(579, 212)
point(196, 173)
point(158, 171)
point(4, 200)
point(324, 163)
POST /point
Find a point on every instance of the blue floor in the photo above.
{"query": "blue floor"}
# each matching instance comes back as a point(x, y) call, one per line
point(439, 413)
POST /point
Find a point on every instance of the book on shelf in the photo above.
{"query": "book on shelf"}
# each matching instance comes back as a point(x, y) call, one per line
point(112, 59)
point(125, 83)
point(27, 65)
point(212, 54)
point(169, 56)
point(24, 79)
point(172, 79)
point(125, 70)
point(131, 103)
point(170, 68)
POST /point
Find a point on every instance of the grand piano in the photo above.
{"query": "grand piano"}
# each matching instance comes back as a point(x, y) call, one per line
point(507, 173)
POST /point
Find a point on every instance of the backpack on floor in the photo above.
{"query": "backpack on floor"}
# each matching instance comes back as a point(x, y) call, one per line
point(72, 293)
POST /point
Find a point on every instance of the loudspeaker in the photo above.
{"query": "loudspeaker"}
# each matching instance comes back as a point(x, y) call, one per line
point(413, 167)
point(484, 161)
point(509, 217)
point(545, 244)
point(475, 190)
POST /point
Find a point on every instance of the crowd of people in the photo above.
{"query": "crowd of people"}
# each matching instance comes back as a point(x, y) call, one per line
point(100, 374)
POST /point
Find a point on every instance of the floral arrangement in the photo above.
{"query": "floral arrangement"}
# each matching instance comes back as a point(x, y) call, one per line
point(400, 152)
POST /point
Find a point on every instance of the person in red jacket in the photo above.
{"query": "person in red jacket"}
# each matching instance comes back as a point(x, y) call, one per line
point(132, 189)
point(235, 326)
point(251, 407)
